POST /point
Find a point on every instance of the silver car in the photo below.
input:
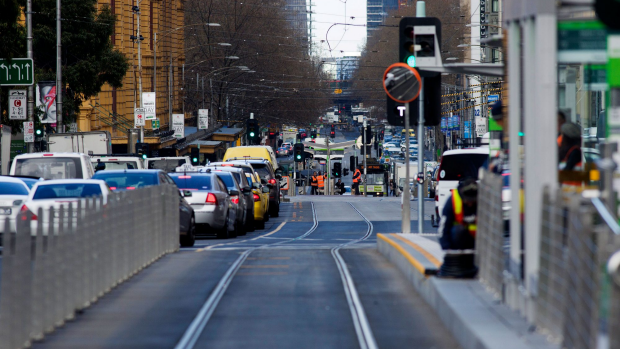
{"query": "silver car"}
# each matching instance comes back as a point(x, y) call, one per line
point(211, 200)
point(238, 200)
point(245, 186)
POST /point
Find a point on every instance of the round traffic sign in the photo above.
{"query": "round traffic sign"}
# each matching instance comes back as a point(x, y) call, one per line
point(402, 83)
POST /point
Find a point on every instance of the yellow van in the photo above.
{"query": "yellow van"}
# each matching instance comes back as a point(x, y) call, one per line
point(252, 151)
point(411, 133)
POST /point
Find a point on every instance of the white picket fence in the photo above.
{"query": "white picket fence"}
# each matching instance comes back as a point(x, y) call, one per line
point(49, 276)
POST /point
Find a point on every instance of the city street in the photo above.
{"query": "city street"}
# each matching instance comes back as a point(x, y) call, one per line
point(287, 292)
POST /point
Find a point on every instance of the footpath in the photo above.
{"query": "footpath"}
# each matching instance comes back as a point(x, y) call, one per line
point(476, 319)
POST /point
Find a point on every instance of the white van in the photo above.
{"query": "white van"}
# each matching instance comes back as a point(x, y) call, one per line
point(53, 165)
point(457, 165)
point(118, 162)
point(167, 164)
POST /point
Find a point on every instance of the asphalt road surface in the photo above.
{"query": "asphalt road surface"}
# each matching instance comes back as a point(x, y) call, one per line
point(312, 279)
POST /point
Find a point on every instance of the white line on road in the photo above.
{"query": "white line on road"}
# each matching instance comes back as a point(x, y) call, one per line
point(195, 329)
point(360, 321)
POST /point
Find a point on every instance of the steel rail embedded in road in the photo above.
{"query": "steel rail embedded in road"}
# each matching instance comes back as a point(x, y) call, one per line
point(362, 326)
point(195, 329)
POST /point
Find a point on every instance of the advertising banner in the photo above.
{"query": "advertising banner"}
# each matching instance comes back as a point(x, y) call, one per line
point(46, 101)
point(203, 119)
point(178, 125)
point(148, 103)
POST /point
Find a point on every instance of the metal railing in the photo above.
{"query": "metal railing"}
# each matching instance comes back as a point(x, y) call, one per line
point(490, 239)
point(50, 274)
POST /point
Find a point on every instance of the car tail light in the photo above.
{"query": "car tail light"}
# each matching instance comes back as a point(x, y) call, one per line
point(211, 199)
point(272, 181)
point(256, 197)
point(227, 165)
point(185, 177)
point(112, 188)
point(131, 188)
point(234, 199)
point(25, 209)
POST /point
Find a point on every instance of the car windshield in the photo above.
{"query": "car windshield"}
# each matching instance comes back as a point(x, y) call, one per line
point(375, 178)
point(12, 189)
point(166, 165)
point(118, 165)
point(127, 180)
point(460, 166)
point(51, 167)
point(66, 190)
point(193, 182)
point(262, 170)
point(228, 180)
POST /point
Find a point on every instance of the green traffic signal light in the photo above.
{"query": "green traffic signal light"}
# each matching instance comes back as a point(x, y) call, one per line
point(411, 61)
point(39, 132)
point(298, 156)
point(144, 156)
point(251, 134)
point(194, 159)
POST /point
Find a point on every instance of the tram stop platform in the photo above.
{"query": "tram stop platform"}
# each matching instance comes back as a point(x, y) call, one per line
point(475, 318)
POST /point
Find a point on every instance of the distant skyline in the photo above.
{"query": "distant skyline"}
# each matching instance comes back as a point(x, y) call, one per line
point(328, 12)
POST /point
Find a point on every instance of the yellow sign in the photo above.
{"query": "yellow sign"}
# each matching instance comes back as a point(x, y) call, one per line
point(338, 91)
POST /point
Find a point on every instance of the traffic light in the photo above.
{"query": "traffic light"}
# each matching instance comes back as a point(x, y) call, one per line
point(368, 135)
point(272, 135)
point(143, 150)
point(298, 152)
point(39, 131)
point(352, 163)
point(607, 12)
point(337, 170)
point(406, 51)
point(345, 171)
point(253, 131)
point(195, 156)
point(332, 134)
point(419, 40)
point(432, 106)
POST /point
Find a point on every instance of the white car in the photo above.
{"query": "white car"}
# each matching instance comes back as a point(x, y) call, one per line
point(455, 166)
point(53, 165)
point(13, 193)
point(118, 162)
point(64, 193)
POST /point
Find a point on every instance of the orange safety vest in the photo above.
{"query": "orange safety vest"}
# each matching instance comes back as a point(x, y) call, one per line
point(356, 176)
point(457, 205)
point(314, 182)
point(578, 167)
point(321, 184)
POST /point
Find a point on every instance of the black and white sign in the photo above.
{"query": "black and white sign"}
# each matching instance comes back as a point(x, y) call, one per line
point(17, 105)
point(138, 115)
point(28, 131)
point(203, 119)
point(481, 126)
point(178, 125)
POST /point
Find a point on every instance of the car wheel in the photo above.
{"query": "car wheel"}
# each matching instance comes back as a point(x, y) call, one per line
point(189, 239)
point(223, 233)
point(241, 229)
point(260, 224)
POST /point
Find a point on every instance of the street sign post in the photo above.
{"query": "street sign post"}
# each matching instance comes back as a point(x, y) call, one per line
point(17, 72)
point(203, 119)
point(155, 124)
point(148, 103)
point(17, 105)
point(178, 125)
point(138, 115)
point(28, 131)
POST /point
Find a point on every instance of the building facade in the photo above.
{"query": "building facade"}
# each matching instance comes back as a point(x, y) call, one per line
point(162, 58)
point(376, 11)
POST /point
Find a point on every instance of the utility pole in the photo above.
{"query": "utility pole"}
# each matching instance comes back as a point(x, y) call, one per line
point(406, 222)
point(365, 167)
point(170, 93)
point(59, 126)
point(329, 169)
point(30, 55)
point(420, 12)
point(139, 40)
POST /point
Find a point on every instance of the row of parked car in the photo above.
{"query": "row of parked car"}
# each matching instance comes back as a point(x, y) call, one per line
point(225, 199)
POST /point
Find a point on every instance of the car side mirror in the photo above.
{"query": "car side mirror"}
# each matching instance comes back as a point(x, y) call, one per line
point(246, 190)
point(266, 190)
point(187, 193)
point(233, 192)
point(263, 181)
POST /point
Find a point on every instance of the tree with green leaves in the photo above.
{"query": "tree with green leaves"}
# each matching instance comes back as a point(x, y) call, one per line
point(89, 59)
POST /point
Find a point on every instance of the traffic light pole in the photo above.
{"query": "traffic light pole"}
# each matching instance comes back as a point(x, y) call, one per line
point(406, 222)
point(365, 167)
point(30, 55)
point(421, 12)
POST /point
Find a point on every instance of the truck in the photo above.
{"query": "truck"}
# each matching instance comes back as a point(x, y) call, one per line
point(95, 142)
point(399, 175)
point(289, 134)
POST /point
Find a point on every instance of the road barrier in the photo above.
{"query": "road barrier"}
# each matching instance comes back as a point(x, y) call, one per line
point(490, 240)
point(48, 276)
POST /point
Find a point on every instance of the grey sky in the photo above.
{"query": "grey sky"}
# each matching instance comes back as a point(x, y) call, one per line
point(329, 12)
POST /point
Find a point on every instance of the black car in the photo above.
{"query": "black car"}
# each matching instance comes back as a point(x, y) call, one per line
point(270, 179)
point(134, 179)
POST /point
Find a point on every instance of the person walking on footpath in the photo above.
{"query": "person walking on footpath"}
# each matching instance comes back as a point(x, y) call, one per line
point(321, 183)
point(357, 176)
point(314, 183)
point(458, 230)
point(392, 187)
